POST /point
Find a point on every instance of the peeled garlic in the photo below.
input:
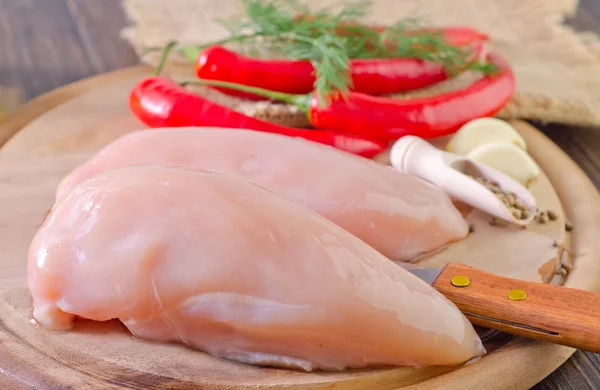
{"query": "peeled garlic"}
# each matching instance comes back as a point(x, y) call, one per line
point(484, 131)
point(509, 159)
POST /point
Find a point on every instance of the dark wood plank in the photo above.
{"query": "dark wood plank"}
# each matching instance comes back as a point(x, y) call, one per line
point(39, 46)
point(98, 24)
point(42, 47)
point(587, 17)
point(581, 144)
point(582, 371)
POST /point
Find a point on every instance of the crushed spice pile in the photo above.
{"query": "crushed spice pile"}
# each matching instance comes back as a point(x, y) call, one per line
point(518, 209)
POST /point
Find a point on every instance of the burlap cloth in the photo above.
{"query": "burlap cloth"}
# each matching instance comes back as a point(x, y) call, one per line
point(10, 98)
point(557, 69)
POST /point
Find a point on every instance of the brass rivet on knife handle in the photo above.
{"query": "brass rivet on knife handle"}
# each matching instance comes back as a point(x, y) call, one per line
point(517, 294)
point(551, 313)
point(460, 281)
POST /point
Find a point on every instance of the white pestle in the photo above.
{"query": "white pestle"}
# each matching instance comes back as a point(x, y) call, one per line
point(450, 172)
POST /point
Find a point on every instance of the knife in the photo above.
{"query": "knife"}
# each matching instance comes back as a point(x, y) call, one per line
point(540, 311)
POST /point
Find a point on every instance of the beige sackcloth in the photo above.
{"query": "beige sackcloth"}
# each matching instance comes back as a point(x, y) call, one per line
point(557, 70)
point(10, 98)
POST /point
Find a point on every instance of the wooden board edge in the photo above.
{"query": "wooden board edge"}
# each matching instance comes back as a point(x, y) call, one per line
point(517, 350)
point(581, 202)
point(575, 189)
point(29, 111)
point(521, 358)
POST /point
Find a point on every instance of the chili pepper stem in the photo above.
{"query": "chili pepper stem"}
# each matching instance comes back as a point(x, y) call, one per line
point(192, 52)
point(300, 101)
point(163, 59)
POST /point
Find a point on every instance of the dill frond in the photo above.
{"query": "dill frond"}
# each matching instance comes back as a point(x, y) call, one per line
point(329, 39)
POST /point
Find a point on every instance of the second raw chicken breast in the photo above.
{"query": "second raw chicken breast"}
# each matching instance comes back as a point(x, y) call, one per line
point(227, 267)
point(399, 215)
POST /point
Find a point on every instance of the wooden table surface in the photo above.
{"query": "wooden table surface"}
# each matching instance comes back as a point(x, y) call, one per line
point(48, 43)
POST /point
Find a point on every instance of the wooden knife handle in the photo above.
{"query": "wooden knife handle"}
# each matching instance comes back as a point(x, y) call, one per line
point(557, 314)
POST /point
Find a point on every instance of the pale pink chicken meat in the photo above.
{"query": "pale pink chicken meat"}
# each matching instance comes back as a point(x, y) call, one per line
point(398, 214)
point(224, 266)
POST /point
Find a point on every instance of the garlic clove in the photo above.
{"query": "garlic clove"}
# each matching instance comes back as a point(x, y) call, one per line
point(483, 131)
point(509, 159)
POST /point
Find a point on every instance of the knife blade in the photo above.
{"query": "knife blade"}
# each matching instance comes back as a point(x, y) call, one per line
point(540, 311)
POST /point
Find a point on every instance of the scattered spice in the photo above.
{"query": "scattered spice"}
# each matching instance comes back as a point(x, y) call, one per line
point(563, 272)
point(568, 267)
point(568, 226)
point(555, 244)
point(496, 222)
point(471, 227)
point(545, 216)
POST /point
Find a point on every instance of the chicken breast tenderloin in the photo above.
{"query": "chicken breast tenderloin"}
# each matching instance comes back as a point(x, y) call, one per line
point(399, 215)
point(224, 266)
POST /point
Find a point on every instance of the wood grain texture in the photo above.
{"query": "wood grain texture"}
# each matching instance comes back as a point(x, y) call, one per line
point(583, 145)
point(556, 314)
point(23, 115)
point(579, 372)
point(48, 43)
point(584, 376)
point(42, 47)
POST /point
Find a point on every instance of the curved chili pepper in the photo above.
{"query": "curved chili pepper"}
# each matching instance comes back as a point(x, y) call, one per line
point(390, 119)
point(160, 102)
point(290, 76)
point(373, 76)
point(426, 117)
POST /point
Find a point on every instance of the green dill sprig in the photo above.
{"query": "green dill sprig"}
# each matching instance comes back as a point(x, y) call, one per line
point(288, 29)
point(329, 39)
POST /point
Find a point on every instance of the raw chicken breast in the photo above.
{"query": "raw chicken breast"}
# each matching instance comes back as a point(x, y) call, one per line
point(397, 214)
point(227, 267)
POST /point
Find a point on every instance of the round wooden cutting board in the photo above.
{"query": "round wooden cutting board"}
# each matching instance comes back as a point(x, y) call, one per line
point(54, 133)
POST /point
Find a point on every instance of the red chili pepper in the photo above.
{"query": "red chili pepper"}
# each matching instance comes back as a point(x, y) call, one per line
point(371, 76)
point(390, 119)
point(427, 117)
point(159, 102)
point(218, 63)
